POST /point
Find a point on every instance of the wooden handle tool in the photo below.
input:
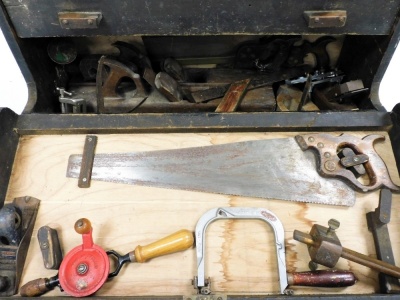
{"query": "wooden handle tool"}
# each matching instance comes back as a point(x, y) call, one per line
point(178, 241)
point(323, 278)
point(38, 287)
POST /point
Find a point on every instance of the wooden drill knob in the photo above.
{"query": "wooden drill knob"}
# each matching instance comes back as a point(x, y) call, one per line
point(83, 226)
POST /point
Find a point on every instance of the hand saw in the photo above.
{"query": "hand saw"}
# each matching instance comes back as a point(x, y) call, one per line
point(273, 169)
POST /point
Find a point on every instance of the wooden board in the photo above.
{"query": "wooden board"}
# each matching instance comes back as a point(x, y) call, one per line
point(240, 254)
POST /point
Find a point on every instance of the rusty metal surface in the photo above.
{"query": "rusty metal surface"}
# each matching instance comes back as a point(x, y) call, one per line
point(329, 248)
point(357, 169)
point(50, 247)
point(377, 223)
point(168, 87)
point(252, 169)
point(323, 244)
point(326, 19)
point(329, 165)
point(107, 82)
point(85, 173)
point(79, 20)
point(354, 160)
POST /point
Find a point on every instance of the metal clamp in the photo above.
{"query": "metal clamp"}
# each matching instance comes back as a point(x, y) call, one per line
point(238, 213)
point(71, 105)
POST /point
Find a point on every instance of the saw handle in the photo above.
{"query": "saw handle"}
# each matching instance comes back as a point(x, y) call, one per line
point(38, 287)
point(178, 241)
point(327, 146)
point(323, 278)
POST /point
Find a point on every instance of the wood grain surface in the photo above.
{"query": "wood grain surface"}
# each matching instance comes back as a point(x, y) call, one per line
point(240, 254)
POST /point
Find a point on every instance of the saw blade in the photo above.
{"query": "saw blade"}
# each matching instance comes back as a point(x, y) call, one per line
point(272, 169)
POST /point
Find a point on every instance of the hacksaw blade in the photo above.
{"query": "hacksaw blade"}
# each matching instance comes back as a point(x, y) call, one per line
point(271, 169)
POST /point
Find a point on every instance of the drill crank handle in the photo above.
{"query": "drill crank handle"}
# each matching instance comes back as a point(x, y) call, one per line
point(322, 278)
point(178, 241)
point(38, 287)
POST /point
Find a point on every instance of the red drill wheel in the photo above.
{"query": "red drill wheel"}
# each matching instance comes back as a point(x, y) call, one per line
point(85, 268)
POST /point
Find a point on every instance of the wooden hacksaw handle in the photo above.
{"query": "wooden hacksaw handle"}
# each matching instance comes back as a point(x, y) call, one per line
point(323, 278)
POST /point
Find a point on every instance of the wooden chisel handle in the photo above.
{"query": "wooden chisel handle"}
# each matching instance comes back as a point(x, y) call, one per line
point(323, 278)
point(178, 241)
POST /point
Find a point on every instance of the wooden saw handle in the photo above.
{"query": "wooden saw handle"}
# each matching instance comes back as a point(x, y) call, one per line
point(178, 241)
point(322, 278)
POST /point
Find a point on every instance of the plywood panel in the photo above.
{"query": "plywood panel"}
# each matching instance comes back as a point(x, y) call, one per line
point(240, 254)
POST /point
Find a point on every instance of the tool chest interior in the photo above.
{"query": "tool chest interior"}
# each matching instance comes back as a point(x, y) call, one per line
point(153, 75)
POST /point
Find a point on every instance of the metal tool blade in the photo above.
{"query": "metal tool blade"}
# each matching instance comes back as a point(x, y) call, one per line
point(272, 169)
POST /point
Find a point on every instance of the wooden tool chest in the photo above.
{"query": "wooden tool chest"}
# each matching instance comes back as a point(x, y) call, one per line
point(211, 44)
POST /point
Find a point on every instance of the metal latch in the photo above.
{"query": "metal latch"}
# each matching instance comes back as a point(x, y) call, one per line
point(325, 18)
point(79, 20)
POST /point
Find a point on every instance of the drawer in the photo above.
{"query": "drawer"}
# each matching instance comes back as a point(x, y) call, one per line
point(40, 18)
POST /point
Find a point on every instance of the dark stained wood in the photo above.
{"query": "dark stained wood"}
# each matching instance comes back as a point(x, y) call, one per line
point(203, 122)
point(233, 96)
point(323, 278)
point(39, 18)
point(8, 147)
